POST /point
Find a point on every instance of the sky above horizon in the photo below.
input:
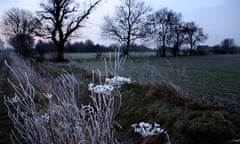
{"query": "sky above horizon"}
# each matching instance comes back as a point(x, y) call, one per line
point(218, 18)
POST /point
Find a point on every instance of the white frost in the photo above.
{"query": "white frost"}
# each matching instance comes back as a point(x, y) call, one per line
point(101, 89)
point(118, 80)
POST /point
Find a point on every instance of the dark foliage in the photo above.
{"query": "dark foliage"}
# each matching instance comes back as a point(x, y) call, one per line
point(84, 47)
point(22, 43)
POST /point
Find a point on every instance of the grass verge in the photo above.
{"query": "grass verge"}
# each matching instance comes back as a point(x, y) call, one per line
point(187, 121)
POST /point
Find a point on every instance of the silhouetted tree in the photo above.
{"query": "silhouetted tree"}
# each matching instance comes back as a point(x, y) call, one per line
point(160, 25)
point(228, 45)
point(127, 24)
point(62, 19)
point(20, 26)
point(194, 35)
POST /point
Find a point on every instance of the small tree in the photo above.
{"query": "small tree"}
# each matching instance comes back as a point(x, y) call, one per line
point(127, 24)
point(62, 19)
point(20, 26)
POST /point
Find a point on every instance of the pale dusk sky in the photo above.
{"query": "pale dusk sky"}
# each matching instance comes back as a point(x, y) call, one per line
point(219, 18)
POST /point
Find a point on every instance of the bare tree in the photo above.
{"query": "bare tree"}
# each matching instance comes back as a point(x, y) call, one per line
point(126, 25)
point(20, 26)
point(19, 21)
point(62, 18)
point(160, 26)
point(194, 35)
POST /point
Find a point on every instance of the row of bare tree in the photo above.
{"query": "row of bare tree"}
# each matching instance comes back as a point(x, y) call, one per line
point(133, 21)
point(60, 20)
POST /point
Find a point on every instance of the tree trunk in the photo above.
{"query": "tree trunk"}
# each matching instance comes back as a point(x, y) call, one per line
point(126, 52)
point(60, 53)
point(191, 48)
point(176, 47)
point(163, 48)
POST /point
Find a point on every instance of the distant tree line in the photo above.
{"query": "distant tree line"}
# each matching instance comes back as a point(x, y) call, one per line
point(226, 46)
point(87, 46)
point(134, 21)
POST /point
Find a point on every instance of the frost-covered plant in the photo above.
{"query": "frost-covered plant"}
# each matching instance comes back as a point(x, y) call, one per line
point(113, 66)
point(22, 110)
point(118, 80)
point(63, 120)
point(106, 98)
point(147, 130)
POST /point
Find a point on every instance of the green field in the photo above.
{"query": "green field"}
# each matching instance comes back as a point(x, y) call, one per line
point(211, 78)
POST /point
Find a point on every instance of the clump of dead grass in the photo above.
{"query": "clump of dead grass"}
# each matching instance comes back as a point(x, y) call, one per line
point(164, 91)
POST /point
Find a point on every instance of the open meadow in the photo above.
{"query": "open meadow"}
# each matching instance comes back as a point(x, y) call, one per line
point(196, 99)
point(209, 78)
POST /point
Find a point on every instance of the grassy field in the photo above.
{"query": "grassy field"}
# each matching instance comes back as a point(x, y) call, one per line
point(215, 77)
point(210, 82)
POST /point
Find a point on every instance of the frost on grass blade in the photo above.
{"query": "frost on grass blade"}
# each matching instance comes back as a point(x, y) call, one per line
point(14, 99)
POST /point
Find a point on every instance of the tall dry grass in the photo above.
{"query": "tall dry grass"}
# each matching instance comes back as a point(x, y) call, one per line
point(60, 118)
